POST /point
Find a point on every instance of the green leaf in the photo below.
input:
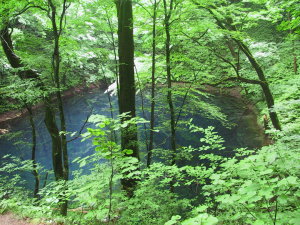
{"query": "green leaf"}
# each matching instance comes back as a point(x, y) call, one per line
point(282, 198)
point(128, 151)
point(76, 159)
point(259, 222)
point(291, 180)
point(201, 208)
point(102, 125)
point(82, 164)
point(270, 158)
point(236, 216)
point(173, 220)
point(266, 171)
point(295, 220)
point(203, 219)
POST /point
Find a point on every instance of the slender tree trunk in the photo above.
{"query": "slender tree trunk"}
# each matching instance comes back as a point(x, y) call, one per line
point(152, 88)
point(110, 106)
point(60, 171)
point(35, 173)
point(55, 66)
point(127, 84)
point(169, 97)
point(49, 120)
point(294, 56)
point(143, 110)
point(115, 54)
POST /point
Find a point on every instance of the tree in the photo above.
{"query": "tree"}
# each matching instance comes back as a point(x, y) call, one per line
point(49, 120)
point(127, 84)
point(152, 85)
point(59, 140)
point(168, 14)
point(56, 65)
point(292, 23)
point(227, 24)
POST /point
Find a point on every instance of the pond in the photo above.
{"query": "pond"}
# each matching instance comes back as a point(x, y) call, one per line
point(245, 133)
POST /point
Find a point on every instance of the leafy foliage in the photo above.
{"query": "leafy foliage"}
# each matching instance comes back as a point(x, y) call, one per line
point(257, 186)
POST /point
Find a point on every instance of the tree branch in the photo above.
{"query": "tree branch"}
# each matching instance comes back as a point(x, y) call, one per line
point(195, 39)
point(87, 118)
point(211, 12)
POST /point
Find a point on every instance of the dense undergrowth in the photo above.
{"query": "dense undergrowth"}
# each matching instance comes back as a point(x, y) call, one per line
point(254, 187)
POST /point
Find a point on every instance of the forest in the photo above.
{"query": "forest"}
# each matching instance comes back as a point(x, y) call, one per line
point(150, 111)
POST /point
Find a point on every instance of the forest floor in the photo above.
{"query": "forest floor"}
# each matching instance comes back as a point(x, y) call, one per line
point(11, 219)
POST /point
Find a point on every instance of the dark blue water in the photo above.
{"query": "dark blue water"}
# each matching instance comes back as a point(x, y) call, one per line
point(220, 112)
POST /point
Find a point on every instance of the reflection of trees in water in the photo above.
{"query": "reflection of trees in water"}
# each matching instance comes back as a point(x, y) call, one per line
point(45, 143)
point(246, 133)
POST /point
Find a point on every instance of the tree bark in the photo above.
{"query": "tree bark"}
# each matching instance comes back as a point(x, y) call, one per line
point(52, 128)
point(152, 87)
point(127, 84)
point(55, 65)
point(35, 173)
point(169, 97)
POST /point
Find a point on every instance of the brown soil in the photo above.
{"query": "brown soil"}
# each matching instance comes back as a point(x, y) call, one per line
point(11, 219)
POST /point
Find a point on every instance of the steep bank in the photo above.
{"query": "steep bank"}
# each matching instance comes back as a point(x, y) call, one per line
point(67, 93)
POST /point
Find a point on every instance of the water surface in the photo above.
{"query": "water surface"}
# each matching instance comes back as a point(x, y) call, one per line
point(245, 133)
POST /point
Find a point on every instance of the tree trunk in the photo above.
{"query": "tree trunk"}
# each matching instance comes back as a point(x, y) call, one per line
point(233, 53)
point(267, 92)
point(55, 65)
point(264, 85)
point(152, 88)
point(169, 97)
point(127, 85)
point(49, 120)
point(56, 141)
point(260, 74)
point(115, 55)
point(294, 56)
point(35, 173)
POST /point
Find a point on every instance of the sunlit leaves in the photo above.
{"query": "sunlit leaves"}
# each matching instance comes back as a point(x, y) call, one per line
point(204, 219)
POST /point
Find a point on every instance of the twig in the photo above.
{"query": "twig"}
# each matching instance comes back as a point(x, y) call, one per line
point(249, 211)
point(184, 100)
point(45, 182)
point(145, 128)
point(87, 118)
